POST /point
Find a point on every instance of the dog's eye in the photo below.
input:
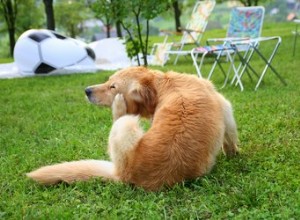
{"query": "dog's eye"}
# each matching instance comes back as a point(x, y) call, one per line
point(112, 86)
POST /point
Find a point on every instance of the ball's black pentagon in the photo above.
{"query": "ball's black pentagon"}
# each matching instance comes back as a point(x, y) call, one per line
point(59, 36)
point(44, 68)
point(38, 36)
point(90, 52)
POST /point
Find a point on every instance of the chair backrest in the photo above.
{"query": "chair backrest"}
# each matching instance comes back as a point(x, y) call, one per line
point(246, 22)
point(198, 21)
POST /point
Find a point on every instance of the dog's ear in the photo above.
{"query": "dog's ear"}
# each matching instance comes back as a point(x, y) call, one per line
point(143, 93)
point(134, 92)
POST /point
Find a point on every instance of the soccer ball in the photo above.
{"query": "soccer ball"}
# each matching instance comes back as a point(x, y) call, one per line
point(44, 51)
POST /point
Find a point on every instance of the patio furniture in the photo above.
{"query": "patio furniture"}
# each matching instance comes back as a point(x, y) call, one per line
point(245, 23)
point(192, 34)
point(253, 46)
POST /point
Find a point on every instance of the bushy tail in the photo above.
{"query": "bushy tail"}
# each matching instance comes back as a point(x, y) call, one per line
point(231, 136)
point(74, 171)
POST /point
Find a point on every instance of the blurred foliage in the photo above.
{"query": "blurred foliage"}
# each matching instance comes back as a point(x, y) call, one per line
point(29, 15)
point(134, 17)
point(69, 15)
point(18, 16)
point(141, 12)
point(106, 11)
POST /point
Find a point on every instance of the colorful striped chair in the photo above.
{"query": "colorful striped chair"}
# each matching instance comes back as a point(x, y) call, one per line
point(192, 34)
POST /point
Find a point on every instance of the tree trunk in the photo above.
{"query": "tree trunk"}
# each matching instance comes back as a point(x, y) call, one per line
point(107, 26)
point(177, 14)
point(49, 14)
point(140, 39)
point(72, 31)
point(119, 29)
point(108, 30)
point(145, 52)
point(10, 14)
point(12, 40)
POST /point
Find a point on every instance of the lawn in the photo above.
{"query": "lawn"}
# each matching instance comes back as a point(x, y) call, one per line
point(45, 120)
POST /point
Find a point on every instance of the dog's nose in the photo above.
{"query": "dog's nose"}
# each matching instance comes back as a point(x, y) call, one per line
point(88, 91)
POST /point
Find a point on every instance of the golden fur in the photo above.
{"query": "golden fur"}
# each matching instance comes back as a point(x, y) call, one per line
point(191, 122)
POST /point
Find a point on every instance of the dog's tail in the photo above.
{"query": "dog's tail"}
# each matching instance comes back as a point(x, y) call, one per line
point(74, 171)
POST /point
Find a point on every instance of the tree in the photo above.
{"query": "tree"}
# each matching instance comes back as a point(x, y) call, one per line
point(30, 15)
point(119, 28)
point(49, 14)
point(70, 14)
point(9, 10)
point(134, 16)
point(116, 17)
point(108, 12)
point(103, 10)
point(20, 16)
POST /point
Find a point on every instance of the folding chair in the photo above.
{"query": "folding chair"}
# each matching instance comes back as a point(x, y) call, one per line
point(245, 23)
point(253, 44)
point(192, 34)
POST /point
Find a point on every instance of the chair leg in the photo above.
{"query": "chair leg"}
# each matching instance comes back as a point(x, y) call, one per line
point(246, 64)
point(177, 56)
point(235, 70)
point(243, 64)
point(268, 64)
point(217, 59)
point(194, 56)
point(229, 70)
point(226, 74)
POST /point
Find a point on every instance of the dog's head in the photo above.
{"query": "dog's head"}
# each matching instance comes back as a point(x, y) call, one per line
point(136, 84)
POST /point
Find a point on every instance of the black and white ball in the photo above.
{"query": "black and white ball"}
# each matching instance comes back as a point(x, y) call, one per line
point(43, 51)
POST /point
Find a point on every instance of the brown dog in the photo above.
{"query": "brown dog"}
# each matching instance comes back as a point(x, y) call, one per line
point(191, 122)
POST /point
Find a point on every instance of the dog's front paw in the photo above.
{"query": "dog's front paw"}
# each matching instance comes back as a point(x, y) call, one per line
point(119, 107)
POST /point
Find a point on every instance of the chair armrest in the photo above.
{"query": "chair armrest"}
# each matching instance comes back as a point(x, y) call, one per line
point(190, 30)
point(255, 40)
point(168, 32)
point(227, 39)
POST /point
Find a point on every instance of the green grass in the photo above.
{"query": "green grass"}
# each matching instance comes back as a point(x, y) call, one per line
point(45, 120)
point(6, 60)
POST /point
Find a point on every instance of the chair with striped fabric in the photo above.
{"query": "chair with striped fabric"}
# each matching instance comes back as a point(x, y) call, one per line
point(245, 23)
point(192, 34)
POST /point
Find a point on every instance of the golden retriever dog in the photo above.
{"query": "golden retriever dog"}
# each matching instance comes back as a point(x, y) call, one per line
point(190, 123)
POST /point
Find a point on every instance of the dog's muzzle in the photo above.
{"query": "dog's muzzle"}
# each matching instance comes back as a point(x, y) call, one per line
point(89, 94)
point(88, 91)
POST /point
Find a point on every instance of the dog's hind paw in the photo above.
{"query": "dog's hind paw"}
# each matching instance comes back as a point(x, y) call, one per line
point(119, 107)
